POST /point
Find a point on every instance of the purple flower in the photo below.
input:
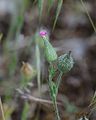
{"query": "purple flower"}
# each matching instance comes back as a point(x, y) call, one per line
point(43, 33)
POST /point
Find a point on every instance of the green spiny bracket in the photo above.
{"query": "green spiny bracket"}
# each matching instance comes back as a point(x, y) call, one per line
point(50, 52)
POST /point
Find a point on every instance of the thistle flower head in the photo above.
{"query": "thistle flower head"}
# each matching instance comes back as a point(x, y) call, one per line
point(50, 52)
point(65, 62)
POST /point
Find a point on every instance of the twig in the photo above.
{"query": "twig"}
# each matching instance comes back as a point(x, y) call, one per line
point(41, 100)
point(32, 98)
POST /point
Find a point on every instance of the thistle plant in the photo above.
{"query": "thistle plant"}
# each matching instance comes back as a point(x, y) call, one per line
point(64, 65)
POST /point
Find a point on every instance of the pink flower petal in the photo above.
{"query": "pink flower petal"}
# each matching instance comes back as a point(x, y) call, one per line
point(43, 33)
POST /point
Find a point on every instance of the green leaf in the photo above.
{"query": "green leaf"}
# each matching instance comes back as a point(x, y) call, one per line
point(52, 71)
point(53, 89)
point(60, 2)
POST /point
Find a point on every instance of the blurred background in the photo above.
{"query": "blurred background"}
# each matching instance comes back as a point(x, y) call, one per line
point(22, 61)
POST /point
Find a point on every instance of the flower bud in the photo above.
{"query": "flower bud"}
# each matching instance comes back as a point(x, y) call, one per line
point(27, 70)
point(65, 63)
point(50, 52)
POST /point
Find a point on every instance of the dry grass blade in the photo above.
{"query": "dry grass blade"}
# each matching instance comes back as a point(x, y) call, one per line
point(2, 111)
point(93, 101)
point(92, 105)
point(90, 19)
point(60, 2)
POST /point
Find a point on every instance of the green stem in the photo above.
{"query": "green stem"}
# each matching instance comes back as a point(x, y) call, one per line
point(56, 109)
point(53, 97)
point(38, 68)
point(58, 82)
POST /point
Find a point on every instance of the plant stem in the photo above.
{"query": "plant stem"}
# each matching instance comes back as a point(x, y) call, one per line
point(38, 68)
point(53, 97)
point(56, 109)
point(58, 82)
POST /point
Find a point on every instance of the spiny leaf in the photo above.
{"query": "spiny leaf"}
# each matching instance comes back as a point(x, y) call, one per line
point(60, 2)
point(52, 70)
